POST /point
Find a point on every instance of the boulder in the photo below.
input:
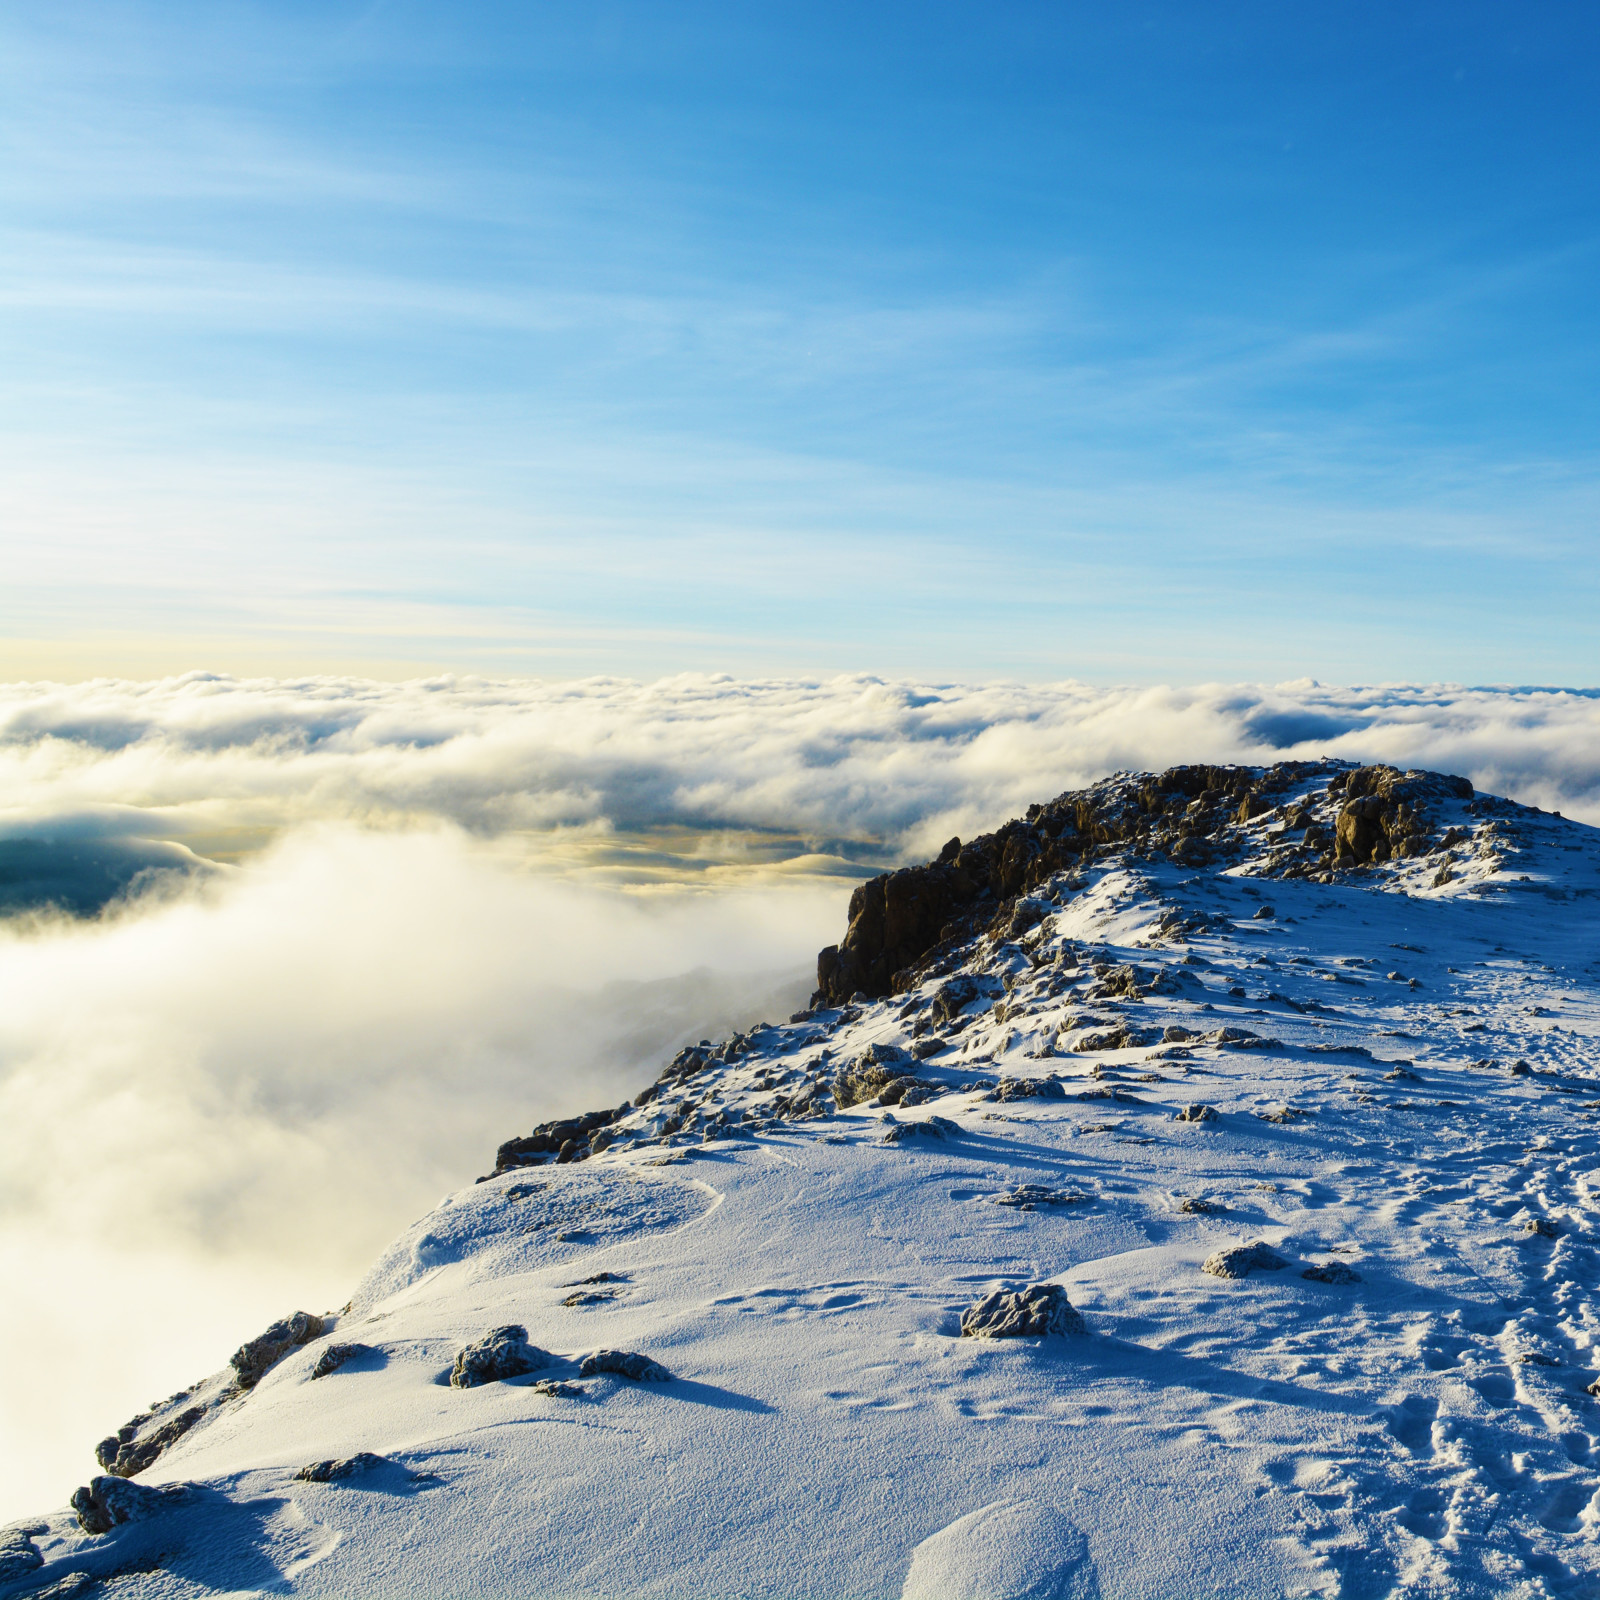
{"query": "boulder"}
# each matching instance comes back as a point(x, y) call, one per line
point(1039, 1310)
point(624, 1364)
point(934, 1128)
point(500, 1354)
point(1240, 1260)
point(333, 1471)
point(335, 1356)
point(108, 1503)
point(254, 1360)
point(1333, 1272)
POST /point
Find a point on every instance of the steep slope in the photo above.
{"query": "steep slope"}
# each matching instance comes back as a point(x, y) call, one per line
point(1200, 1206)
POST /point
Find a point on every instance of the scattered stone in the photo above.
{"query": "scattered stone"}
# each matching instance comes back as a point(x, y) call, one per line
point(1195, 1206)
point(1032, 1313)
point(1401, 1075)
point(254, 1360)
point(589, 1297)
point(1240, 1260)
point(108, 1502)
point(1541, 1227)
point(1030, 1196)
point(929, 1046)
point(503, 1353)
point(1263, 914)
point(625, 1364)
point(1333, 1272)
point(1521, 1069)
point(333, 1471)
point(1177, 1034)
point(335, 1357)
point(1196, 1113)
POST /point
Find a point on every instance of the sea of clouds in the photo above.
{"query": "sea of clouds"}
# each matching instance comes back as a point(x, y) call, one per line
point(282, 962)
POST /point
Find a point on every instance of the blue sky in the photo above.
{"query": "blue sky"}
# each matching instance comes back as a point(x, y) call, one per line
point(1127, 343)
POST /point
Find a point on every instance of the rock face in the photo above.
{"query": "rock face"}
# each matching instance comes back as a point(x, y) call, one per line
point(625, 1364)
point(1240, 1260)
point(1031, 1313)
point(502, 1353)
point(107, 1503)
point(254, 1360)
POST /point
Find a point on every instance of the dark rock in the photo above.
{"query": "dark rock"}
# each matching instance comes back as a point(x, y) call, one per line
point(1333, 1272)
point(503, 1353)
point(557, 1390)
point(1027, 1089)
point(335, 1356)
point(1039, 1310)
point(1240, 1260)
point(1541, 1228)
point(128, 1453)
point(625, 1364)
point(870, 1073)
point(108, 1503)
point(1196, 1113)
point(254, 1360)
point(936, 1128)
point(333, 1471)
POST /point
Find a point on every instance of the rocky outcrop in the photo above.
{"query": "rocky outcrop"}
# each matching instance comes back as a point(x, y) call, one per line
point(254, 1360)
point(901, 921)
point(1031, 1313)
point(566, 1139)
point(500, 1354)
point(1385, 812)
point(128, 1452)
point(870, 1073)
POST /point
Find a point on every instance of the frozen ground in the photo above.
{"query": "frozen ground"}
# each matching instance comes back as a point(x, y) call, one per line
point(1403, 1077)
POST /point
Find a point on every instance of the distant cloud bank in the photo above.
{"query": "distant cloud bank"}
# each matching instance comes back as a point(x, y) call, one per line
point(850, 768)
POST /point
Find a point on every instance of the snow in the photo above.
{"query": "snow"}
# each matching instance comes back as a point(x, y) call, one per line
point(1423, 1430)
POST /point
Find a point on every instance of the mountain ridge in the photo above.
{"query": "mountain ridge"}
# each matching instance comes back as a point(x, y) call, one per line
point(1040, 1122)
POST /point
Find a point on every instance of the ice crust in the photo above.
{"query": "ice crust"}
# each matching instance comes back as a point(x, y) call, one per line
point(1402, 1411)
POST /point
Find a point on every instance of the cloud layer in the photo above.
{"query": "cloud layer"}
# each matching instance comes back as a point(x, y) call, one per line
point(852, 767)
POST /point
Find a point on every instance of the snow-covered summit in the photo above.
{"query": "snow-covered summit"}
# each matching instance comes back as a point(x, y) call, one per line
point(1184, 1189)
